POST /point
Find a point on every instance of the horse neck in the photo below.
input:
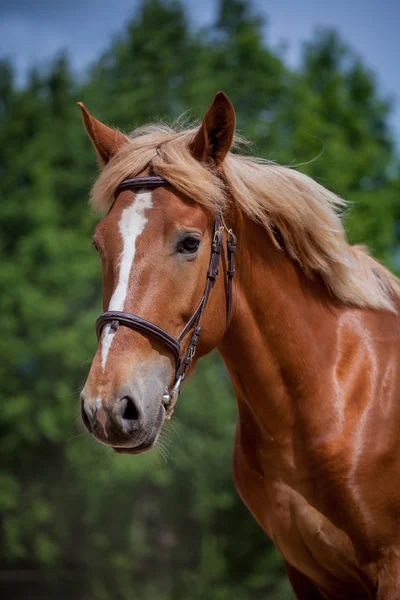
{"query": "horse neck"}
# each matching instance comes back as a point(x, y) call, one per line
point(281, 335)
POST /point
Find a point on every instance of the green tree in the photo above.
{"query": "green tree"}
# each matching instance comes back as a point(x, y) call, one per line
point(335, 120)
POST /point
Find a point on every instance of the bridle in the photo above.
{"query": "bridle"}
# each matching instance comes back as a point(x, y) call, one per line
point(117, 318)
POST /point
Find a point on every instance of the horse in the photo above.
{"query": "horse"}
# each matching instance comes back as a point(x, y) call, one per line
point(203, 247)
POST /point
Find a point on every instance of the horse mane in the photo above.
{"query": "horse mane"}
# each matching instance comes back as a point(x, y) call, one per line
point(306, 214)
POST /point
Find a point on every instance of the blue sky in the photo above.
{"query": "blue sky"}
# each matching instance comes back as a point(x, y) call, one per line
point(31, 31)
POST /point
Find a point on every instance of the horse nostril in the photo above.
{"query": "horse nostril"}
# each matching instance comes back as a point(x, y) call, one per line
point(85, 417)
point(129, 409)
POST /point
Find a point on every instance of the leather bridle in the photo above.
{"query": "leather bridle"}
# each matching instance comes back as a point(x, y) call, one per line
point(117, 318)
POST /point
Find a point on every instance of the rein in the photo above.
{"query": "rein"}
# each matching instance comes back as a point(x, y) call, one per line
point(117, 318)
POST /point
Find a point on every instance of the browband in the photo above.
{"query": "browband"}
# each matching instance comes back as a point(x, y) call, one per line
point(135, 183)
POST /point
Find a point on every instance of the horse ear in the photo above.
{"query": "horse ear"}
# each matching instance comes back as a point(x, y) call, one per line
point(105, 140)
point(214, 139)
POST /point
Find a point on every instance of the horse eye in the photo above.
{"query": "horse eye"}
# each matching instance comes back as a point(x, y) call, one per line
point(188, 245)
point(94, 245)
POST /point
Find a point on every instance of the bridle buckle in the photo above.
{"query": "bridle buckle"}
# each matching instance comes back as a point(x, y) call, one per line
point(218, 233)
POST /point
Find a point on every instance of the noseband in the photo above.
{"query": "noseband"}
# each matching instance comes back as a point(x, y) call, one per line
point(117, 318)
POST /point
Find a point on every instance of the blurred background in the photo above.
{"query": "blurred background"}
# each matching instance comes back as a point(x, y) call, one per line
point(76, 520)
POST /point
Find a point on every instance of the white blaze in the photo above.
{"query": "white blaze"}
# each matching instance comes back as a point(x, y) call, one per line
point(131, 225)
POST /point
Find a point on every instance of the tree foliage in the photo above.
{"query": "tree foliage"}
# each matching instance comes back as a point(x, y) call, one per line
point(77, 521)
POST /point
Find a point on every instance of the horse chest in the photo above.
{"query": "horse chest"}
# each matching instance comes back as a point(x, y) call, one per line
point(305, 537)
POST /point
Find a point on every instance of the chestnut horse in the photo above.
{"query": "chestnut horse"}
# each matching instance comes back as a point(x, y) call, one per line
point(312, 345)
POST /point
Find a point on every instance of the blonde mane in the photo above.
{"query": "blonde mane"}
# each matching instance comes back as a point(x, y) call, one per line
point(306, 214)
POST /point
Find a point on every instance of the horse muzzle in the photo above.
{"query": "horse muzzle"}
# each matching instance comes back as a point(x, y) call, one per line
point(125, 425)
